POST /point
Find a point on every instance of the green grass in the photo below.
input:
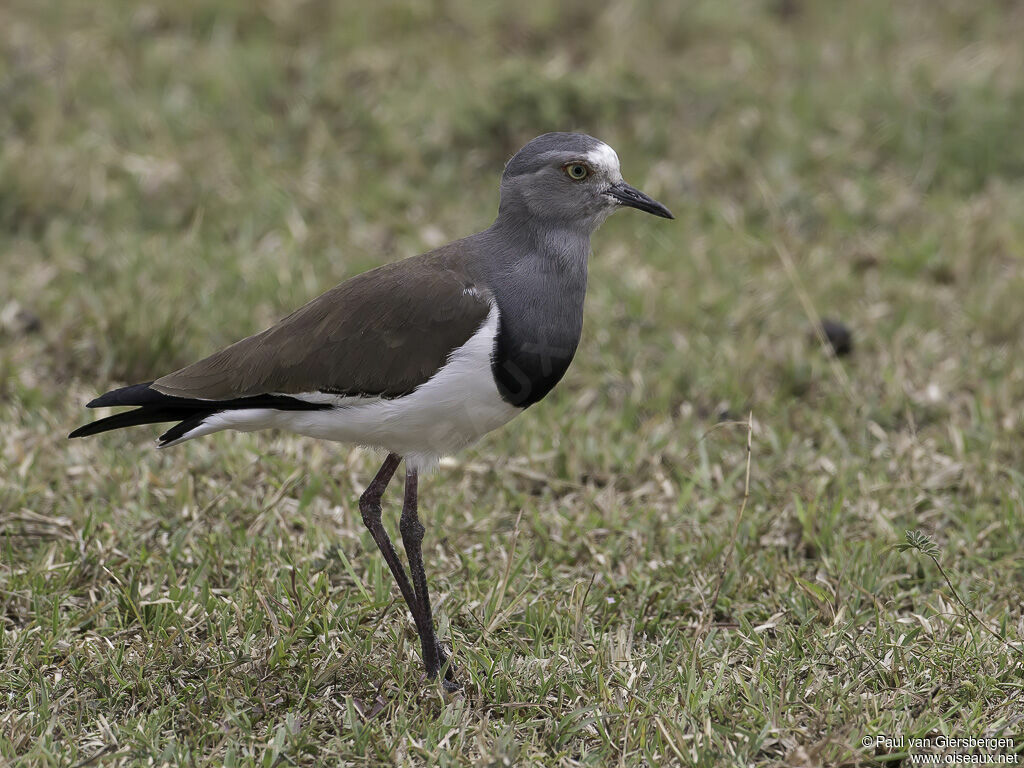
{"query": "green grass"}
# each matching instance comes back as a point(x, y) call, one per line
point(175, 176)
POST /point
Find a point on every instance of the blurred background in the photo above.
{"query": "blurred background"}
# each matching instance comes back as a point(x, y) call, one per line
point(174, 176)
point(222, 162)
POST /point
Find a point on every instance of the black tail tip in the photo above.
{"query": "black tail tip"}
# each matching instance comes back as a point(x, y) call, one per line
point(134, 394)
point(82, 431)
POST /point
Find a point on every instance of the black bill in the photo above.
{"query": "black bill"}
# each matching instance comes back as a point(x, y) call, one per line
point(634, 198)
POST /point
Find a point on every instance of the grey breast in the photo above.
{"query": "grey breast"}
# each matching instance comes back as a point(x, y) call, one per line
point(539, 290)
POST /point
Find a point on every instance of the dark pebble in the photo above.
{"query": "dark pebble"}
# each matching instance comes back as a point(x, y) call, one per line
point(839, 336)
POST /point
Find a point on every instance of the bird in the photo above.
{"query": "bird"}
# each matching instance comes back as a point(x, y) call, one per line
point(417, 358)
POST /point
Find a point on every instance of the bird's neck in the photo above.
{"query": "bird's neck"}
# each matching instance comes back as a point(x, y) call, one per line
point(560, 251)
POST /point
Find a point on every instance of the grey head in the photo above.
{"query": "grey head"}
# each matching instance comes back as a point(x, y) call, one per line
point(569, 180)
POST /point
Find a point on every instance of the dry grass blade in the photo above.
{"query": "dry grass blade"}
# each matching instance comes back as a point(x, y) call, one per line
point(498, 612)
point(726, 560)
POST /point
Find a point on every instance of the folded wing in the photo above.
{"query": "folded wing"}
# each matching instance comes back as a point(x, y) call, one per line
point(382, 333)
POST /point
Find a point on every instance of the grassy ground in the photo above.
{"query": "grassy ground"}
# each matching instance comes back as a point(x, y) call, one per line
point(176, 175)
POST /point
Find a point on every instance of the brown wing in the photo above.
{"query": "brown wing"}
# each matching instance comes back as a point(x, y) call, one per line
point(383, 332)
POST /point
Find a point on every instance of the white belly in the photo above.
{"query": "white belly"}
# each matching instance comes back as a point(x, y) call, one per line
point(456, 407)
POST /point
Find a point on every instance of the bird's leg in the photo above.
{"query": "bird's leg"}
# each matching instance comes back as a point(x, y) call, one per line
point(369, 506)
point(434, 657)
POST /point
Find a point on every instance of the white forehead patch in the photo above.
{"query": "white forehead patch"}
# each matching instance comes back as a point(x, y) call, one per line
point(604, 157)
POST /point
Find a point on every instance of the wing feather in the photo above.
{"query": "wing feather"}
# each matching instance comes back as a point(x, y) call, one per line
point(382, 333)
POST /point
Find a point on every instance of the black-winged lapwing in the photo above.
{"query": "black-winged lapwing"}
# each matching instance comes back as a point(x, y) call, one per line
point(419, 358)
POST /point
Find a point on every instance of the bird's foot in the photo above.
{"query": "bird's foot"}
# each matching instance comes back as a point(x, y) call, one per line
point(442, 659)
point(444, 662)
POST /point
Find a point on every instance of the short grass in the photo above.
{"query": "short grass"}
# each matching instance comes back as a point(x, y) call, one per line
point(176, 175)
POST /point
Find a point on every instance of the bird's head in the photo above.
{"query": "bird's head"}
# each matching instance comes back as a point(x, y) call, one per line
point(571, 180)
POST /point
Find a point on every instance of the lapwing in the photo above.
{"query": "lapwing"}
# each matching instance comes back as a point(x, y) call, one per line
point(418, 358)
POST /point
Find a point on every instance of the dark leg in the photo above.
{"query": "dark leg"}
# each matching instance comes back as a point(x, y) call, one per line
point(369, 506)
point(434, 656)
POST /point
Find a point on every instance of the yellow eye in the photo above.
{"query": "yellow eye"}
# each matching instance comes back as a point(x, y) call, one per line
point(576, 171)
